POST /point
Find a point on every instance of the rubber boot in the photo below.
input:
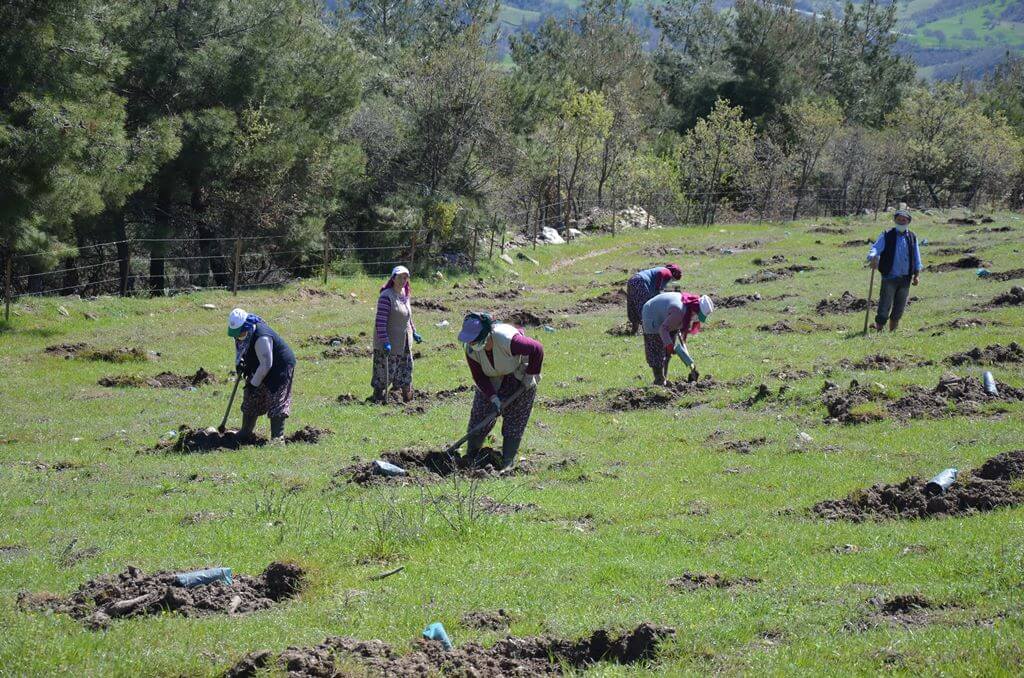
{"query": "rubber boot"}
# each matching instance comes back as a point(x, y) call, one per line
point(509, 449)
point(633, 328)
point(248, 426)
point(407, 394)
point(473, 447)
point(378, 395)
point(659, 376)
point(277, 428)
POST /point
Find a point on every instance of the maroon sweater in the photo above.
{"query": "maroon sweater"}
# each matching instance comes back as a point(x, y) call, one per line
point(521, 345)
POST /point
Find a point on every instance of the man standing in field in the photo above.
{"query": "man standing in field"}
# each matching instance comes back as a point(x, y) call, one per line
point(897, 257)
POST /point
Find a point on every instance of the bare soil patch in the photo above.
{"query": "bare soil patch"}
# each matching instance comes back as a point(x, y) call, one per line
point(162, 380)
point(953, 395)
point(420, 403)
point(744, 446)
point(845, 303)
point(1014, 297)
point(430, 305)
point(998, 229)
point(488, 620)
point(532, 656)
point(637, 398)
point(774, 259)
point(906, 610)
point(601, 302)
point(778, 327)
point(526, 318)
point(958, 324)
point(621, 330)
point(969, 261)
point(770, 274)
point(736, 300)
point(985, 489)
point(197, 441)
point(829, 230)
point(502, 508)
point(992, 354)
point(133, 593)
point(694, 581)
point(860, 242)
point(432, 464)
point(82, 351)
point(878, 361)
point(1003, 276)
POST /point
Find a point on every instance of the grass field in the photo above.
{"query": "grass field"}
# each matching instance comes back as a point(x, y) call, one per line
point(642, 496)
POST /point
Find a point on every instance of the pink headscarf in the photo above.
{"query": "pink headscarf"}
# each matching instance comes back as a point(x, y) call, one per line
point(407, 290)
point(674, 269)
point(691, 302)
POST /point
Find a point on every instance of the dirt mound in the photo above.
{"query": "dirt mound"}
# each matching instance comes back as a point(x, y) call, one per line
point(526, 318)
point(497, 620)
point(846, 303)
point(860, 242)
point(694, 581)
point(1005, 466)
point(348, 350)
point(637, 398)
point(765, 275)
point(621, 330)
point(962, 221)
point(777, 327)
point(994, 353)
point(736, 300)
point(959, 324)
point(873, 362)
point(907, 610)
point(1006, 275)
point(420, 403)
point(430, 305)
point(827, 230)
point(743, 446)
point(989, 487)
point(615, 297)
point(134, 594)
point(540, 655)
point(998, 229)
point(953, 395)
point(774, 259)
point(501, 508)
point(1015, 297)
point(83, 351)
point(162, 380)
point(970, 261)
point(198, 440)
point(432, 463)
point(330, 340)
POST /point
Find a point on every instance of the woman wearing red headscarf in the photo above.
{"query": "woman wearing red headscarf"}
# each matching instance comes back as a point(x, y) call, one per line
point(644, 286)
point(667, 316)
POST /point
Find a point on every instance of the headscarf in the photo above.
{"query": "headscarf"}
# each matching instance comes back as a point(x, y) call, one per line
point(674, 269)
point(248, 328)
point(407, 290)
point(469, 325)
point(691, 326)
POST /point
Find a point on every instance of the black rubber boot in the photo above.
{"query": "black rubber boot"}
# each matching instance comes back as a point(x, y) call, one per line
point(509, 450)
point(473, 447)
point(378, 395)
point(248, 426)
point(659, 376)
point(277, 427)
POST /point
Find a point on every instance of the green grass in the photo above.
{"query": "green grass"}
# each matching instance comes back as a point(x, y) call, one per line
point(662, 497)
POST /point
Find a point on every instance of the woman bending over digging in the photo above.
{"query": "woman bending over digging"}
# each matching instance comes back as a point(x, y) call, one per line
point(505, 365)
point(393, 335)
point(644, 286)
point(666, 316)
point(268, 365)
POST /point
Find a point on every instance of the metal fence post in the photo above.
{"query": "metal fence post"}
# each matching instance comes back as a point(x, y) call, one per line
point(238, 264)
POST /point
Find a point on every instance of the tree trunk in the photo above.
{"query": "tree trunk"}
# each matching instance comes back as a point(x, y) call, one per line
point(124, 253)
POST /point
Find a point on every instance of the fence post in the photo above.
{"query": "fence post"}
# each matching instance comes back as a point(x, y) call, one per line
point(614, 211)
point(494, 227)
point(412, 251)
point(476, 241)
point(238, 264)
point(327, 253)
point(7, 283)
point(504, 228)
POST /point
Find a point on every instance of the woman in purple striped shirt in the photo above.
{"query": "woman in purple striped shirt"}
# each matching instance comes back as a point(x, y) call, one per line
point(393, 335)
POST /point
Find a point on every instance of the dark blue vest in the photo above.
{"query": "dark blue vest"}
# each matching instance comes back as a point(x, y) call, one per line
point(889, 253)
point(284, 357)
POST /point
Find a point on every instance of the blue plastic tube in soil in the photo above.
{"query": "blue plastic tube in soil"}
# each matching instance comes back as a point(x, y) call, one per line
point(436, 632)
point(384, 468)
point(201, 577)
point(990, 384)
point(941, 482)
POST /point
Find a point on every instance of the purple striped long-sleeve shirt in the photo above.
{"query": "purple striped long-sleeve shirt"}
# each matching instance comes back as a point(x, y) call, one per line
point(383, 313)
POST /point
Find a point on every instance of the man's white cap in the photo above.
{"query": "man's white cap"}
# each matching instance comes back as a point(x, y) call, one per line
point(707, 307)
point(236, 318)
point(399, 269)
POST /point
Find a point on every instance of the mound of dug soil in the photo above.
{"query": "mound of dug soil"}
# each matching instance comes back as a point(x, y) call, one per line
point(874, 362)
point(951, 396)
point(134, 594)
point(487, 620)
point(777, 327)
point(958, 324)
point(199, 440)
point(743, 446)
point(969, 261)
point(162, 380)
point(862, 242)
point(987, 488)
point(621, 330)
point(828, 230)
point(615, 297)
point(430, 305)
point(433, 463)
point(82, 351)
point(420, 403)
point(736, 300)
point(770, 274)
point(994, 353)
point(638, 398)
point(1015, 297)
point(540, 655)
point(846, 303)
point(907, 610)
point(1003, 276)
point(694, 581)
point(527, 318)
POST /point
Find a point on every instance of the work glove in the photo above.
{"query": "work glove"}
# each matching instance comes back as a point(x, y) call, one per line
point(532, 380)
point(669, 348)
point(417, 337)
point(387, 347)
point(496, 401)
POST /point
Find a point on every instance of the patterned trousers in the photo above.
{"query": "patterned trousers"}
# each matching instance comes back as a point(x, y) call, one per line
point(637, 294)
point(396, 365)
point(516, 415)
point(260, 400)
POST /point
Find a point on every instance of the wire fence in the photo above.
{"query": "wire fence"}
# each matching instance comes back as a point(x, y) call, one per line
point(171, 265)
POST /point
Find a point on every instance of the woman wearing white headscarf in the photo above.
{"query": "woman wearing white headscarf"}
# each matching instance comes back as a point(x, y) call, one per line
point(393, 335)
point(268, 365)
